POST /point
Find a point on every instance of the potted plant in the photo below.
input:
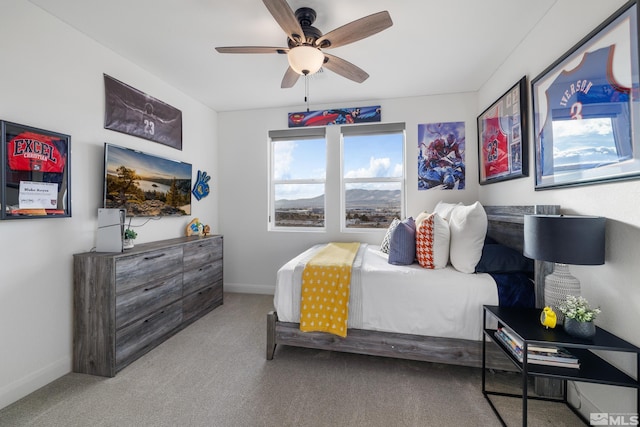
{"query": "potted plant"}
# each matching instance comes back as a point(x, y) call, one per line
point(129, 236)
point(579, 317)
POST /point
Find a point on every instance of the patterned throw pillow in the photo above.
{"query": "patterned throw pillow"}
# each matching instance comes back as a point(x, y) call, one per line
point(402, 246)
point(384, 246)
point(432, 240)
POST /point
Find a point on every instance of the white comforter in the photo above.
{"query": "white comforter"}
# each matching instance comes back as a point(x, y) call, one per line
point(405, 299)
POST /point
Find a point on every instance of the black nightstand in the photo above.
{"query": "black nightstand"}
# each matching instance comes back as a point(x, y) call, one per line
point(526, 324)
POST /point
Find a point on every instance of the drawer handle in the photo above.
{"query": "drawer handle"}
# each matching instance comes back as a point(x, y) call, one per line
point(153, 257)
point(146, 320)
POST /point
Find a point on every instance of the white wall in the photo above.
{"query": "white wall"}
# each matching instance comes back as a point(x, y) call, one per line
point(614, 285)
point(51, 78)
point(243, 203)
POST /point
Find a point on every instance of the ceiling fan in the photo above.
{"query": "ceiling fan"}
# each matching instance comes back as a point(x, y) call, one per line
point(306, 43)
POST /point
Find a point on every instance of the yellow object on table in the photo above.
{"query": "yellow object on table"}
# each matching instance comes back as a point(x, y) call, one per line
point(548, 317)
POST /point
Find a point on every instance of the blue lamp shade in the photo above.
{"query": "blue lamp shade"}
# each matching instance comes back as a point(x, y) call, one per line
point(565, 239)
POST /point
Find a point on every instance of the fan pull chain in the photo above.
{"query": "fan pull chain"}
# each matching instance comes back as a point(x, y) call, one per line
point(306, 90)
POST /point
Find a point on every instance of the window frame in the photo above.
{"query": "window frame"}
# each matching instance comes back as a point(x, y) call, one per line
point(297, 134)
point(362, 130)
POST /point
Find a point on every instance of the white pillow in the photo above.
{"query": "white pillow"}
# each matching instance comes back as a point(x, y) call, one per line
point(444, 209)
point(432, 240)
point(468, 227)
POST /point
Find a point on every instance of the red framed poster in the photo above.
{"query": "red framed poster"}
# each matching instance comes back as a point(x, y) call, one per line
point(502, 137)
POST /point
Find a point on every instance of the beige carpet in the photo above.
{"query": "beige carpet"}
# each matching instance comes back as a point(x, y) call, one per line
point(214, 373)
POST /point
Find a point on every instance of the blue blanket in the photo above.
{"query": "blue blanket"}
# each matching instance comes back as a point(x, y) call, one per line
point(515, 290)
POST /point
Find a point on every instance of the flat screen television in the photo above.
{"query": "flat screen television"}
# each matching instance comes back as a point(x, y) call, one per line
point(144, 184)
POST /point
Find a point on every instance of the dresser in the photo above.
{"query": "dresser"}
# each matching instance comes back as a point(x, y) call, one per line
point(125, 304)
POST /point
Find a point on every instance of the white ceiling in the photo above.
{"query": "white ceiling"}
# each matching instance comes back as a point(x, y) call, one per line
point(434, 46)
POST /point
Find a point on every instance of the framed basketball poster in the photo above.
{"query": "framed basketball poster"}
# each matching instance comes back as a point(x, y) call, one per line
point(35, 173)
point(502, 137)
point(585, 108)
point(133, 112)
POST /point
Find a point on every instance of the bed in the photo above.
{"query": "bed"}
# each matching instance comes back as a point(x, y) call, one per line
point(373, 329)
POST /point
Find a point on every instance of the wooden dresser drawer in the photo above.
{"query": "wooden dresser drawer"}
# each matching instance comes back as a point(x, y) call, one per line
point(206, 275)
point(202, 252)
point(201, 302)
point(144, 300)
point(148, 267)
point(139, 337)
point(126, 303)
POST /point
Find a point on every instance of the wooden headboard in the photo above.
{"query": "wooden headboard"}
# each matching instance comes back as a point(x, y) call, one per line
point(506, 226)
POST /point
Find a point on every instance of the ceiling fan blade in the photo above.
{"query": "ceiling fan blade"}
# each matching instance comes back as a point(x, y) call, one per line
point(345, 68)
point(252, 49)
point(290, 78)
point(284, 16)
point(356, 30)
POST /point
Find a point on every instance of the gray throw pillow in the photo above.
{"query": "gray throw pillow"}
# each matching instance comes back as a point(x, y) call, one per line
point(402, 246)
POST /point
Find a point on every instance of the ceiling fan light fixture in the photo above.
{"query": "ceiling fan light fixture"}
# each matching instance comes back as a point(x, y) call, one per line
point(305, 60)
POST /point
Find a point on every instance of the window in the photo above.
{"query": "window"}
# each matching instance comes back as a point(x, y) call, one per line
point(297, 184)
point(372, 175)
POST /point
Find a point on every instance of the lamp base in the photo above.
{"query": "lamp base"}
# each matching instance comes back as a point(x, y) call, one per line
point(557, 286)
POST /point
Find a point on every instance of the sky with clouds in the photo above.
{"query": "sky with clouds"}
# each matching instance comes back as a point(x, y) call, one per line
point(371, 156)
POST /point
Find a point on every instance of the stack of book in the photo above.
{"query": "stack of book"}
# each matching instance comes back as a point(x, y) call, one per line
point(540, 355)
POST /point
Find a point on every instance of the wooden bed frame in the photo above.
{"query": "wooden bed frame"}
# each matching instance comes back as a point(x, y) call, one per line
point(506, 225)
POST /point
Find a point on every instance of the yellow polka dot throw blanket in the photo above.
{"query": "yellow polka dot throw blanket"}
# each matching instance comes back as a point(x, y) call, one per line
point(326, 278)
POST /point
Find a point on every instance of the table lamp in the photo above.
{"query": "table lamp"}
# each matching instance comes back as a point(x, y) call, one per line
point(563, 240)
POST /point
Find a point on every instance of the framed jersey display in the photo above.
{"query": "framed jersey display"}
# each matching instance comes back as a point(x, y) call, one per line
point(586, 108)
point(503, 137)
point(35, 173)
point(133, 112)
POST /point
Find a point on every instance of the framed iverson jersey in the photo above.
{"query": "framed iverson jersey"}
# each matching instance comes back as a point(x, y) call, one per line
point(586, 108)
point(35, 172)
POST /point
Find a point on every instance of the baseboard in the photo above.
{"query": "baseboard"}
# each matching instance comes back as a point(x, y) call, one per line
point(250, 289)
point(24, 386)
